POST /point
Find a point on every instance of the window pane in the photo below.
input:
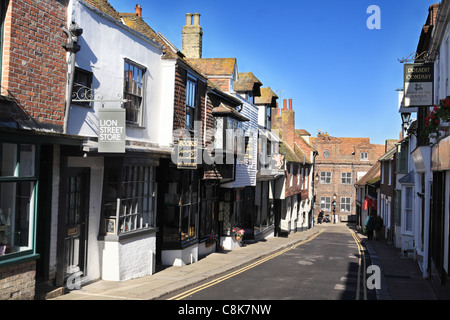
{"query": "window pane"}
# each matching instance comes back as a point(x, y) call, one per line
point(8, 159)
point(16, 207)
point(133, 91)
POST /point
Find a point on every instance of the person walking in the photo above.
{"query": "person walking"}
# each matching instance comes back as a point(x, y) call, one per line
point(320, 217)
point(369, 227)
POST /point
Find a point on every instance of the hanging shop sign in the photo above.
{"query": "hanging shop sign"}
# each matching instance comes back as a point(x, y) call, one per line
point(111, 130)
point(187, 153)
point(418, 80)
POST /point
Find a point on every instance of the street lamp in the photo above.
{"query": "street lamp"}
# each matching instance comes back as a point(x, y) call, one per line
point(406, 117)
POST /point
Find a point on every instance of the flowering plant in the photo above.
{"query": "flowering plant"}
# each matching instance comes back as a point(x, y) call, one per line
point(439, 115)
point(238, 233)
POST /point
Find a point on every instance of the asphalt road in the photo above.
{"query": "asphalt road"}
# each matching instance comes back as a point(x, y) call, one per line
point(328, 267)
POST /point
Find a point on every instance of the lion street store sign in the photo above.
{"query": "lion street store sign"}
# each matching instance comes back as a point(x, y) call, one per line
point(111, 130)
point(418, 78)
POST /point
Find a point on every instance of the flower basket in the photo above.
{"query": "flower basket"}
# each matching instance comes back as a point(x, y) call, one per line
point(437, 120)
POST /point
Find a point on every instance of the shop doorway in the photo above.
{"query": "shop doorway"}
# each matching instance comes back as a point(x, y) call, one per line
point(74, 226)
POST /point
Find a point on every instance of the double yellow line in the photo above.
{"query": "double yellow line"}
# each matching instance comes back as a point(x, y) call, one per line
point(362, 260)
point(241, 270)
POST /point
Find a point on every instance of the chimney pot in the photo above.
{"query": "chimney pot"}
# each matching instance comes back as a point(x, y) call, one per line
point(290, 104)
point(284, 104)
point(196, 19)
point(188, 19)
point(138, 10)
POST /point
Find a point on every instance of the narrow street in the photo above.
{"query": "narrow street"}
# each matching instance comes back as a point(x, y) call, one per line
point(326, 267)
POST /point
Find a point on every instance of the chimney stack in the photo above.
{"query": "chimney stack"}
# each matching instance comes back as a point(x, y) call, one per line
point(138, 10)
point(192, 37)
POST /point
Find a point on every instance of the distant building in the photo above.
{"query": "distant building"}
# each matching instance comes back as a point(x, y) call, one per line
point(341, 162)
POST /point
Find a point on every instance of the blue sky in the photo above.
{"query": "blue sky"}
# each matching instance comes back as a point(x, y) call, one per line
point(341, 75)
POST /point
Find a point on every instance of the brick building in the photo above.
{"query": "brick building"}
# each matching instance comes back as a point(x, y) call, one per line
point(340, 163)
point(32, 110)
point(296, 197)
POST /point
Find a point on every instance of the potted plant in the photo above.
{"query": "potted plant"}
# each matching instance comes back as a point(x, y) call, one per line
point(238, 233)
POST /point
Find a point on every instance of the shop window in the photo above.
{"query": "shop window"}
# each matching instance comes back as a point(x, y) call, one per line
point(207, 225)
point(181, 205)
point(17, 198)
point(130, 198)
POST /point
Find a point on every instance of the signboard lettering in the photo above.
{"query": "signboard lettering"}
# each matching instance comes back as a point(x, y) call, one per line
point(418, 79)
point(111, 130)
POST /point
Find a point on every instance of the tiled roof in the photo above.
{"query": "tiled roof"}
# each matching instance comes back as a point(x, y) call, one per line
point(105, 7)
point(227, 111)
point(215, 66)
point(135, 22)
point(348, 145)
point(302, 132)
point(247, 82)
point(371, 175)
point(267, 97)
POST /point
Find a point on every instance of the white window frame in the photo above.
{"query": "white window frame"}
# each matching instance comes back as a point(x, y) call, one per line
point(364, 156)
point(408, 209)
point(325, 204)
point(325, 176)
point(346, 177)
point(346, 201)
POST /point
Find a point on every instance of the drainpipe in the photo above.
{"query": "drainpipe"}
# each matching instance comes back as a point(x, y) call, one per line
point(71, 47)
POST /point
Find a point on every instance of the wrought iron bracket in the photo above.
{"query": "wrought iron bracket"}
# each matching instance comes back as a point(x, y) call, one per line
point(86, 94)
point(426, 56)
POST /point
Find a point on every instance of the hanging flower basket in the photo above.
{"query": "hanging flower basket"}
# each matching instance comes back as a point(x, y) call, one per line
point(437, 121)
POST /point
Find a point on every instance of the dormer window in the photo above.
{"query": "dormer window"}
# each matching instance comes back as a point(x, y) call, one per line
point(364, 156)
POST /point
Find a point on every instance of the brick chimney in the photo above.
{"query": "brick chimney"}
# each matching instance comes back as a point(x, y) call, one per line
point(288, 123)
point(138, 11)
point(192, 36)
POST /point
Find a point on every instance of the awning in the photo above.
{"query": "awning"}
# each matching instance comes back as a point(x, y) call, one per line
point(369, 202)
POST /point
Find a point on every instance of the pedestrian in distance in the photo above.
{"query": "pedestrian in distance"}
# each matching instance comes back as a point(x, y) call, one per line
point(320, 217)
point(369, 227)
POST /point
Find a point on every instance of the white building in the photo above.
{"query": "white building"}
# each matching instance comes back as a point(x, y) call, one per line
point(109, 227)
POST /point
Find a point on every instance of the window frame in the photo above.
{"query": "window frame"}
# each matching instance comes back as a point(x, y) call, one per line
point(325, 176)
point(134, 188)
point(345, 201)
point(326, 206)
point(364, 156)
point(134, 95)
point(347, 179)
point(86, 88)
point(17, 178)
point(191, 103)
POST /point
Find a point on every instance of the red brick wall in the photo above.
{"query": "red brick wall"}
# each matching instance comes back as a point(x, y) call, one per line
point(34, 62)
point(180, 101)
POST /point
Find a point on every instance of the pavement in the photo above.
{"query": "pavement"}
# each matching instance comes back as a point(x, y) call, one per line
point(400, 280)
